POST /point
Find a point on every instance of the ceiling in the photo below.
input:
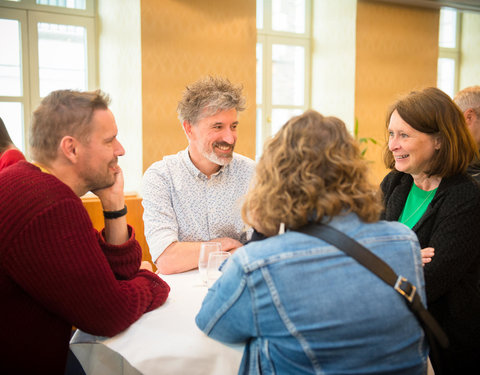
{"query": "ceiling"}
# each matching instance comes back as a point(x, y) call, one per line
point(466, 5)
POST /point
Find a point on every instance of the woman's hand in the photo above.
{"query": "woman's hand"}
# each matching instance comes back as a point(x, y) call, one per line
point(427, 254)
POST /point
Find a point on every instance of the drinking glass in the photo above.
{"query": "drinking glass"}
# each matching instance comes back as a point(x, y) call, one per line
point(205, 249)
point(215, 260)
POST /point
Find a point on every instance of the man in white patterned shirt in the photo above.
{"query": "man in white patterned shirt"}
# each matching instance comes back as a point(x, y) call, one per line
point(195, 195)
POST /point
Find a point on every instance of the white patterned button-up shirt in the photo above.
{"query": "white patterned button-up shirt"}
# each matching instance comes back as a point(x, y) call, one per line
point(182, 204)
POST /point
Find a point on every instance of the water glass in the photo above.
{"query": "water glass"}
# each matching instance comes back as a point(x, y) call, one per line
point(215, 260)
point(205, 249)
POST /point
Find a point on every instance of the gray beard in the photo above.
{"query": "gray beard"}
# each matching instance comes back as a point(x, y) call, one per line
point(214, 158)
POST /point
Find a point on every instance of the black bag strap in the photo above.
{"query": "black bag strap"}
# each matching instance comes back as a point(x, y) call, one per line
point(376, 265)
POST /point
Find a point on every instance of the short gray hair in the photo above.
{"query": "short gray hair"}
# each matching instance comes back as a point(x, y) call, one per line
point(207, 96)
point(468, 98)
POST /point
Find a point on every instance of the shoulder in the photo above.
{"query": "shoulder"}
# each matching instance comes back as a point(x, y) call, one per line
point(458, 190)
point(13, 153)
point(10, 157)
point(243, 163)
point(460, 181)
point(392, 179)
point(386, 231)
point(279, 247)
point(36, 191)
point(163, 167)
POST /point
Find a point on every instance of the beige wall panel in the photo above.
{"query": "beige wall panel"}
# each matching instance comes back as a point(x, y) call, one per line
point(333, 59)
point(182, 41)
point(397, 52)
point(120, 74)
point(470, 55)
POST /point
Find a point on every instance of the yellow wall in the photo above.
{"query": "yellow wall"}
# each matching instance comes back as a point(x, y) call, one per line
point(182, 41)
point(396, 52)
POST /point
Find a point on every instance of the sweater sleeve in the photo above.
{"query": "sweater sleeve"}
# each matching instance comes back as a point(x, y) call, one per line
point(57, 260)
point(455, 238)
point(227, 303)
point(124, 259)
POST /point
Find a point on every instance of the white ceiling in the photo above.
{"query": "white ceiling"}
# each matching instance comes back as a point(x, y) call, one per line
point(467, 5)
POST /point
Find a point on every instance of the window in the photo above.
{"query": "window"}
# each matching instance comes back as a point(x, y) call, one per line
point(283, 64)
point(46, 45)
point(449, 51)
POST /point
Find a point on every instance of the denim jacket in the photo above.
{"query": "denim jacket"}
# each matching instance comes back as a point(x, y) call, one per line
point(304, 307)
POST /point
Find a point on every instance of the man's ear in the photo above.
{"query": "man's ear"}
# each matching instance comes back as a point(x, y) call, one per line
point(187, 128)
point(69, 148)
point(470, 116)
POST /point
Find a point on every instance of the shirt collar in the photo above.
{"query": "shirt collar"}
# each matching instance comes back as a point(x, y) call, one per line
point(195, 171)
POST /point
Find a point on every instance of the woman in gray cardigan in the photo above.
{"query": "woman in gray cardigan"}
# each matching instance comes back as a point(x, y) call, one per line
point(429, 149)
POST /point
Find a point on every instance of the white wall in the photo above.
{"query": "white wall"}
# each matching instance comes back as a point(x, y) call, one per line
point(120, 75)
point(333, 58)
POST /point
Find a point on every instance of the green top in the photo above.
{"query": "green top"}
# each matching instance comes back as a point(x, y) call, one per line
point(416, 205)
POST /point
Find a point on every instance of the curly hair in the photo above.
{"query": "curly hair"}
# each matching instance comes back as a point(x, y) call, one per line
point(207, 96)
point(310, 170)
point(61, 113)
point(431, 111)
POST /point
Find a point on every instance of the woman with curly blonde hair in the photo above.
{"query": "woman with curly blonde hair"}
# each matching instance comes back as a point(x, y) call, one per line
point(308, 170)
point(301, 305)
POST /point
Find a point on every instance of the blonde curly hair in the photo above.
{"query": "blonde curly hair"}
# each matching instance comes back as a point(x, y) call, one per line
point(311, 169)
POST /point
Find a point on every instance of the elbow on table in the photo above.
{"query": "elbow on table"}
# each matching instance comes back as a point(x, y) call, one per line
point(165, 266)
point(107, 328)
point(208, 326)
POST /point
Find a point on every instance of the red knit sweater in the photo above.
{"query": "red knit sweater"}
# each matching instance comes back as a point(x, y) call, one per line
point(10, 157)
point(56, 271)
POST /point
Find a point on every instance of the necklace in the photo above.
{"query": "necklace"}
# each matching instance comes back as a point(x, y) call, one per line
point(419, 206)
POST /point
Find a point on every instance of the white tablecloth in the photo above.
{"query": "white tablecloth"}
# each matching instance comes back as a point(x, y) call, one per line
point(163, 341)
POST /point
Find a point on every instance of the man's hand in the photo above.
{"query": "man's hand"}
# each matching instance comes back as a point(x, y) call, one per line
point(183, 256)
point(112, 197)
point(228, 244)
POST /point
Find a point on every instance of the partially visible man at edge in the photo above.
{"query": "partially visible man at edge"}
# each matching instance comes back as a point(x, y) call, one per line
point(56, 270)
point(194, 195)
point(468, 100)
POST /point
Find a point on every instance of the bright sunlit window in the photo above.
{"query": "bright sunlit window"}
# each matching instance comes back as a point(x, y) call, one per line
point(449, 51)
point(283, 64)
point(46, 45)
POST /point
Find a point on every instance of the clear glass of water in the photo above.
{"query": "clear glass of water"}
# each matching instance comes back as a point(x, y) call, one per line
point(215, 260)
point(205, 249)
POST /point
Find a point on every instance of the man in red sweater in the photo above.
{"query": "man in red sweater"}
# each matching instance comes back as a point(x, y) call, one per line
point(56, 270)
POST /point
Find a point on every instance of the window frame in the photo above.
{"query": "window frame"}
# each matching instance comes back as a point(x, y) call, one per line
point(38, 17)
point(267, 37)
point(453, 53)
point(89, 10)
point(28, 14)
